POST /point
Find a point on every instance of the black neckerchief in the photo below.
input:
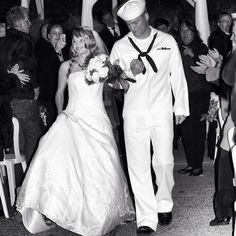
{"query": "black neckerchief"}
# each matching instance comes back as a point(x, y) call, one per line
point(145, 54)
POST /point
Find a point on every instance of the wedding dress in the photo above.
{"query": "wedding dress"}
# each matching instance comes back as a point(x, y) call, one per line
point(75, 178)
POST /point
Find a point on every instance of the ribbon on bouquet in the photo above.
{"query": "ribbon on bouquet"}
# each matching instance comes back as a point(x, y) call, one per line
point(118, 77)
point(121, 83)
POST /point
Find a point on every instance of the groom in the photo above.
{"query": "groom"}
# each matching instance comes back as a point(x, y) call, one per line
point(151, 58)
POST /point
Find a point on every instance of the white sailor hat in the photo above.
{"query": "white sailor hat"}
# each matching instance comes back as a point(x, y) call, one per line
point(131, 9)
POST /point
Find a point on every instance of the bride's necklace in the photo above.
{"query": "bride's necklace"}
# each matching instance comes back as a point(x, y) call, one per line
point(81, 62)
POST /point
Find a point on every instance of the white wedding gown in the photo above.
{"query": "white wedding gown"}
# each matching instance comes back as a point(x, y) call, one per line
point(75, 178)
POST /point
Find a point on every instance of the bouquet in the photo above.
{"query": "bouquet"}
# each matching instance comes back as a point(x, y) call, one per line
point(101, 70)
point(43, 115)
point(213, 109)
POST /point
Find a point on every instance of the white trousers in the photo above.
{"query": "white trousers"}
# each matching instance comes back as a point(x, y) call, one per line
point(137, 144)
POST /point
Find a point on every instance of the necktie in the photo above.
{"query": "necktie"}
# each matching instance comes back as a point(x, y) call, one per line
point(115, 33)
point(145, 54)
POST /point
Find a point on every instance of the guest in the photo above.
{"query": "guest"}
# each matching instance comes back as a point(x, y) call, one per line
point(162, 24)
point(220, 40)
point(18, 48)
point(49, 55)
point(43, 39)
point(152, 58)
point(75, 178)
point(113, 29)
point(193, 129)
point(224, 197)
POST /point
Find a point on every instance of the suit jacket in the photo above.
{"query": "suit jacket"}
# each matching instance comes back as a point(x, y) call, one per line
point(108, 37)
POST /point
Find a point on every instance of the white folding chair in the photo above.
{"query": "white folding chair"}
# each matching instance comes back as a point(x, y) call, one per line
point(10, 159)
point(3, 197)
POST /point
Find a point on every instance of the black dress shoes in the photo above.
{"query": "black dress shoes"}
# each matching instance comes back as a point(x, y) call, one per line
point(220, 221)
point(196, 172)
point(164, 218)
point(145, 230)
point(185, 170)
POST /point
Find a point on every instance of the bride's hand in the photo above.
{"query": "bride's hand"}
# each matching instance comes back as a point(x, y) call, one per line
point(24, 78)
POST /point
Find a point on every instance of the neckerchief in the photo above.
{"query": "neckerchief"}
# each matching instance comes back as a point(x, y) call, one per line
point(145, 54)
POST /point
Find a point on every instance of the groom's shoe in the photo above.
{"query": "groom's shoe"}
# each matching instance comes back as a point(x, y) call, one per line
point(164, 218)
point(145, 230)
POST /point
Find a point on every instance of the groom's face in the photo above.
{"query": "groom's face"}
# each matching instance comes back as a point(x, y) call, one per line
point(139, 26)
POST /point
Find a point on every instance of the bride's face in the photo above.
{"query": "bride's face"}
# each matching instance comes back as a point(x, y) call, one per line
point(78, 46)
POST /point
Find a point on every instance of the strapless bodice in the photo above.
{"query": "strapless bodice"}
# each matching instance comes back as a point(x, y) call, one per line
point(83, 97)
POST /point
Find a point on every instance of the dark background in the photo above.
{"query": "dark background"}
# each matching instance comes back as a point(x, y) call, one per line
point(54, 8)
point(68, 12)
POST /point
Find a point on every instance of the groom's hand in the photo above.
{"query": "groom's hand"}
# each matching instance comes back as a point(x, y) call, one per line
point(136, 66)
point(179, 119)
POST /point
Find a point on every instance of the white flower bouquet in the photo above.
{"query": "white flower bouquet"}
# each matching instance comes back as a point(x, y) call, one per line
point(43, 115)
point(97, 70)
point(101, 70)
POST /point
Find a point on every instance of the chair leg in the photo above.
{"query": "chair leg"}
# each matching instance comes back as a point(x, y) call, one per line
point(3, 200)
point(24, 166)
point(11, 181)
point(2, 169)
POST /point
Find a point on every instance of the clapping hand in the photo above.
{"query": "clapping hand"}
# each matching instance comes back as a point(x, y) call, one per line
point(136, 66)
point(207, 60)
point(214, 54)
point(188, 51)
point(200, 68)
point(24, 78)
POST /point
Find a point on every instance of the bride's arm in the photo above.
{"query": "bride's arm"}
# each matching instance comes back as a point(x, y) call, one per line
point(62, 79)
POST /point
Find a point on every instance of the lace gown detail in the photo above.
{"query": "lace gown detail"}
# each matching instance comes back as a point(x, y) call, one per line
point(75, 178)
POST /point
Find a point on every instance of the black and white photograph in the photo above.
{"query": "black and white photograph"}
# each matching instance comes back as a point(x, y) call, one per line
point(117, 117)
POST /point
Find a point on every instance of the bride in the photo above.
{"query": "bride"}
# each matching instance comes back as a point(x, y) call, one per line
point(75, 178)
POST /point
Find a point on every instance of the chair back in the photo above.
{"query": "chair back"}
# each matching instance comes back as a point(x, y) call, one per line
point(16, 128)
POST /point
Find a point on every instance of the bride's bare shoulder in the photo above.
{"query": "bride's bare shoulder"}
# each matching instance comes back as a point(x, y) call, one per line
point(65, 65)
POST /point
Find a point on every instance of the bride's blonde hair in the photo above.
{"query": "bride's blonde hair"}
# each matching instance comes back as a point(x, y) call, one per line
point(90, 44)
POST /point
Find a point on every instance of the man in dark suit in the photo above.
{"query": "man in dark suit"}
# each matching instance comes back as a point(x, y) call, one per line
point(113, 29)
